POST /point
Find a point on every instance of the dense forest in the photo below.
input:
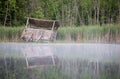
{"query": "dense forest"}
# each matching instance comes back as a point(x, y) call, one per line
point(68, 12)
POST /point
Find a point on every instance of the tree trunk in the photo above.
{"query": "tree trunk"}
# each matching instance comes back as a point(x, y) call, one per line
point(98, 11)
point(10, 18)
point(62, 15)
point(89, 13)
point(6, 16)
point(95, 12)
point(119, 14)
point(102, 19)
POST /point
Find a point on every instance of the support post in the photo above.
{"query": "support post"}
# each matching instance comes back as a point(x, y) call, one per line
point(53, 25)
point(27, 22)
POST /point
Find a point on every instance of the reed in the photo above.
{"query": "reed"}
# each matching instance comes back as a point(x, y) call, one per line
point(106, 33)
point(10, 33)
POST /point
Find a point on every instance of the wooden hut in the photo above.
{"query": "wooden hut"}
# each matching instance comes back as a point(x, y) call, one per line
point(37, 29)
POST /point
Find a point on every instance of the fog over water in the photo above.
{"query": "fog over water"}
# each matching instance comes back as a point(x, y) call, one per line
point(58, 61)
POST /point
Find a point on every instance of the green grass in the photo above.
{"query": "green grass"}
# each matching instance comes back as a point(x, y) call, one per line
point(10, 33)
point(106, 33)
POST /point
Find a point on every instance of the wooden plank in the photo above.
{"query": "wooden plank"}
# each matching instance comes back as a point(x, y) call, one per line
point(53, 26)
point(27, 22)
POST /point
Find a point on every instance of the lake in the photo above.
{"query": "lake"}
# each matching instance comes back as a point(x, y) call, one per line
point(59, 61)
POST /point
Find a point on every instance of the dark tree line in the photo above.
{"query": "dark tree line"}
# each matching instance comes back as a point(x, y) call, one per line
point(12, 12)
point(68, 12)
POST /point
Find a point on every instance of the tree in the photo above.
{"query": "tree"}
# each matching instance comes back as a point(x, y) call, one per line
point(68, 12)
point(12, 12)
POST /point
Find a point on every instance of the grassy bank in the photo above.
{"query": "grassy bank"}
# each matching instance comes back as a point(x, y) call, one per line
point(10, 33)
point(107, 33)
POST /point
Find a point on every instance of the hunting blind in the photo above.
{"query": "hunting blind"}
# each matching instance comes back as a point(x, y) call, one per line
point(37, 29)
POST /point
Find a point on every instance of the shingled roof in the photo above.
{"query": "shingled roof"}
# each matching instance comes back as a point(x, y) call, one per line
point(44, 23)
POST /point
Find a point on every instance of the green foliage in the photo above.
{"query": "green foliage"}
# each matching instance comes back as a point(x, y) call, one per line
point(12, 3)
point(14, 11)
point(68, 12)
point(37, 13)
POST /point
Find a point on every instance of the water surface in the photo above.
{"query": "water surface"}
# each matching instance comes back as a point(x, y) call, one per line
point(59, 61)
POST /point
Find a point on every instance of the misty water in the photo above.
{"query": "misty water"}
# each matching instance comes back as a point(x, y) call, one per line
point(59, 61)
